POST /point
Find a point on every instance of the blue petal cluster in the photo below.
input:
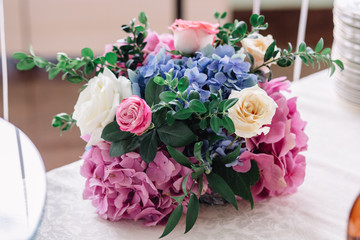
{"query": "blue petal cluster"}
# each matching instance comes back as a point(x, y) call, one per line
point(210, 71)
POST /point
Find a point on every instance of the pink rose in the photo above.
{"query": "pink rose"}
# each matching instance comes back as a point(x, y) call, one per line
point(190, 36)
point(155, 42)
point(133, 115)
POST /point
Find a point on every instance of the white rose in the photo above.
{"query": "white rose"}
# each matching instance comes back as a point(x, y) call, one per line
point(253, 109)
point(97, 103)
point(256, 44)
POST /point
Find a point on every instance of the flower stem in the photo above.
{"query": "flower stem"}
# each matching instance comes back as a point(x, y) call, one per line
point(232, 142)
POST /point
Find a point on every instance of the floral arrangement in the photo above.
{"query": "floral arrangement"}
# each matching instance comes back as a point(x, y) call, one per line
point(173, 120)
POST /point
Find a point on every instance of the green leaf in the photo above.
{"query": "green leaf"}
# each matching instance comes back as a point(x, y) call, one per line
point(40, 62)
point(253, 175)
point(159, 117)
point(173, 83)
point(25, 64)
point(302, 47)
point(142, 18)
point(228, 124)
point(89, 68)
point(112, 133)
point(31, 50)
point(332, 67)
point(231, 156)
point(20, 55)
point(216, 15)
point(184, 183)
point(196, 105)
point(229, 103)
point(53, 73)
point(148, 146)
point(223, 15)
point(179, 157)
point(213, 104)
point(178, 199)
point(126, 28)
point(326, 51)
point(124, 146)
point(177, 135)
point(197, 171)
point(220, 186)
point(242, 28)
point(167, 96)
point(339, 63)
point(238, 182)
point(289, 47)
point(111, 58)
point(194, 95)
point(170, 117)
point(319, 45)
point(192, 212)
point(203, 124)
point(260, 20)
point(183, 114)
point(183, 84)
point(152, 92)
point(215, 123)
point(304, 59)
point(254, 20)
point(75, 79)
point(139, 28)
point(173, 220)
point(251, 58)
point(87, 52)
point(200, 182)
point(269, 51)
point(197, 151)
point(159, 80)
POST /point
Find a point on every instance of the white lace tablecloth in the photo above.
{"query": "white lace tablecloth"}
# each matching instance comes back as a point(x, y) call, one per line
point(319, 210)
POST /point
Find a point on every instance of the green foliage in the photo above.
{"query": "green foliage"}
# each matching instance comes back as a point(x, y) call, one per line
point(286, 57)
point(218, 184)
point(173, 220)
point(233, 33)
point(63, 121)
point(192, 212)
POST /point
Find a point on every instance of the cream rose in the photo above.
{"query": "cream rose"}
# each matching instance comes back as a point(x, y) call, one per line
point(97, 103)
point(253, 110)
point(256, 44)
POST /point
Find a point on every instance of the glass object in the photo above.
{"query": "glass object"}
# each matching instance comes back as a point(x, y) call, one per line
point(353, 230)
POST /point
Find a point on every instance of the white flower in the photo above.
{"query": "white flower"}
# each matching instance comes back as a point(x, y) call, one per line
point(97, 103)
point(253, 109)
point(256, 44)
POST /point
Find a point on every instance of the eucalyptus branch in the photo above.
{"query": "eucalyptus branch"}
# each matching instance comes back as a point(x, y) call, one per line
point(285, 57)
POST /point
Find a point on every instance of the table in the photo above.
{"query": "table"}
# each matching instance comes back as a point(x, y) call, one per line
point(319, 210)
point(22, 184)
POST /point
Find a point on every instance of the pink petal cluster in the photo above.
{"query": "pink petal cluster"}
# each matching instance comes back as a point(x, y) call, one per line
point(191, 36)
point(282, 168)
point(155, 42)
point(128, 188)
point(133, 115)
point(181, 25)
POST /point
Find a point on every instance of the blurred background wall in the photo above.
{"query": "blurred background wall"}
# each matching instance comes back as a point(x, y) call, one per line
point(52, 26)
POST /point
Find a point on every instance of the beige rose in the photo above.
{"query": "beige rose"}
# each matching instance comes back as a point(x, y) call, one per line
point(256, 44)
point(253, 110)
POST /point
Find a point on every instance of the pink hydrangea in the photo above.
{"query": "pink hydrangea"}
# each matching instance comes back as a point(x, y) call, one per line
point(282, 168)
point(128, 188)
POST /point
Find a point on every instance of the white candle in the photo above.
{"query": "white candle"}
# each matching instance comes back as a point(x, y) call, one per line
point(301, 36)
point(256, 7)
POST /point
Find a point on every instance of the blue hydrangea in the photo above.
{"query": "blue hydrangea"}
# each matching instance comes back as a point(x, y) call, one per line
point(210, 71)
